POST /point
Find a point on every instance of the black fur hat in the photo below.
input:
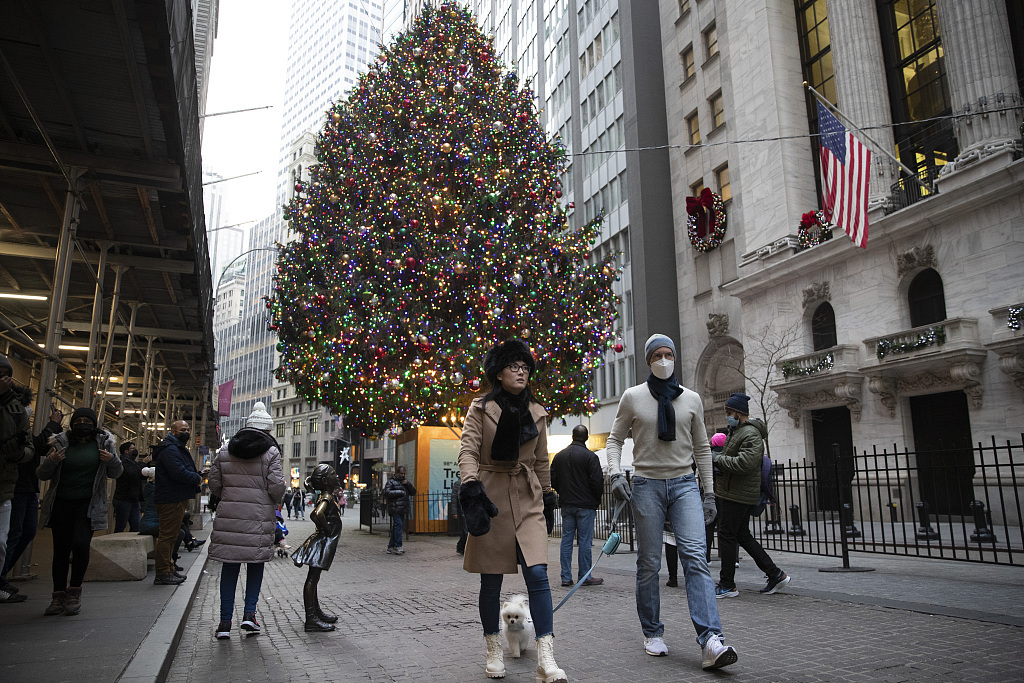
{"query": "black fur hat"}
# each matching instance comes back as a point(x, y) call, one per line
point(504, 354)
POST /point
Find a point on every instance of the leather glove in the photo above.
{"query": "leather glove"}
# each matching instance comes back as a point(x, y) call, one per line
point(477, 508)
point(550, 504)
point(620, 488)
point(710, 509)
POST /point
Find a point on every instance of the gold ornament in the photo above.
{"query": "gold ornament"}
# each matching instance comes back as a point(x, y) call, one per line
point(446, 148)
point(436, 200)
point(505, 173)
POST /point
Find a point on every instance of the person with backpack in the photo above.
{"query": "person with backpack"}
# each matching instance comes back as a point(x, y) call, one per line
point(738, 491)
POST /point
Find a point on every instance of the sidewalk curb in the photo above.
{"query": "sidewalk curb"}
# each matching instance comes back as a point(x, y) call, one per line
point(152, 660)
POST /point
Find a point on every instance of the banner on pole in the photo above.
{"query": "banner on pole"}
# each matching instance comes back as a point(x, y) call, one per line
point(224, 398)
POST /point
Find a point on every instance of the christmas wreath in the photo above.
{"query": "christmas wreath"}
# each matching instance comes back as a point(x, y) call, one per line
point(705, 220)
point(814, 229)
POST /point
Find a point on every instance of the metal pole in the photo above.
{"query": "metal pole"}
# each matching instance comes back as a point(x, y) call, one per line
point(97, 316)
point(101, 407)
point(147, 378)
point(58, 301)
point(867, 137)
point(127, 369)
point(154, 398)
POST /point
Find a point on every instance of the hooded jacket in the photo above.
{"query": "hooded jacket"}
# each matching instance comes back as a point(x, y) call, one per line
point(176, 476)
point(49, 470)
point(739, 463)
point(15, 441)
point(247, 476)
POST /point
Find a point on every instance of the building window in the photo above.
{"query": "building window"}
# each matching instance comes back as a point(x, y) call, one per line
point(297, 450)
point(314, 425)
point(697, 188)
point(297, 427)
point(710, 41)
point(684, 7)
point(722, 181)
point(823, 327)
point(689, 67)
point(693, 127)
point(312, 449)
point(816, 57)
point(717, 110)
point(280, 429)
point(926, 299)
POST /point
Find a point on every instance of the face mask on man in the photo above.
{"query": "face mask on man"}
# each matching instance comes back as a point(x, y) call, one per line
point(184, 437)
point(663, 368)
point(732, 421)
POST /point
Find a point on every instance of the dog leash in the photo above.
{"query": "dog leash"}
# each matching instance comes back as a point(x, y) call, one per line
point(609, 548)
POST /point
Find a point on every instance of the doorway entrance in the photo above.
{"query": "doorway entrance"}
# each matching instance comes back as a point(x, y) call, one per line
point(833, 433)
point(945, 459)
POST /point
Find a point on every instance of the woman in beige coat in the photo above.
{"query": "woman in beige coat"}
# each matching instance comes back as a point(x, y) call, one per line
point(248, 478)
point(507, 500)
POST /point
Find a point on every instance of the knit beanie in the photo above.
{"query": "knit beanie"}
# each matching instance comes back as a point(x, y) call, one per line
point(718, 440)
point(259, 418)
point(738, 402)
point(85, 412)
point(655, 342)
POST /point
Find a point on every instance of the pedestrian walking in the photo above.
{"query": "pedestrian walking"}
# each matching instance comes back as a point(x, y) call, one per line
point(397, 492)
point(507, 501)
point(460, 545)
point(343, 501)
point(670, 447)
point(299, 503)
point(75, 505)
point(128, 490)
point(738, 488)
point(16, 448)
point(576, 476)
point(248, 477)
point(317, 551)
point(287, 500)
point(177, 483)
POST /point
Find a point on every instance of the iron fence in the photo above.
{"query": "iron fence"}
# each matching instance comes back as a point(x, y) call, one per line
point(907, 190)
point(954, 504)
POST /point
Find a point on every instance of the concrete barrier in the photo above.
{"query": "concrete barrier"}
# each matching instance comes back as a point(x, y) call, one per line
point(119, 557)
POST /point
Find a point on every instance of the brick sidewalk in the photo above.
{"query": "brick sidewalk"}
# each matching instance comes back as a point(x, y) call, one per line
point(414, 618)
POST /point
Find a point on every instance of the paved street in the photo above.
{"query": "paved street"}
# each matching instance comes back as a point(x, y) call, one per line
point(414, 618)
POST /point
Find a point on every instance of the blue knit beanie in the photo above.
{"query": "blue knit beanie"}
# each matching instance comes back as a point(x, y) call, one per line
point(738, 402)
point(655, 342)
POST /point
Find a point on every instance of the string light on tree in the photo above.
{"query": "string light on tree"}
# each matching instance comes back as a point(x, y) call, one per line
point(429, 231)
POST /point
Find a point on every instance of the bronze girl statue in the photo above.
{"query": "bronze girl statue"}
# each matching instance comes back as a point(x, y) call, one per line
point(317, 552)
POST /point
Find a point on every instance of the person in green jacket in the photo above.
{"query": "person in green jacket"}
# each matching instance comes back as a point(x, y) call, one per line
point(737, 489)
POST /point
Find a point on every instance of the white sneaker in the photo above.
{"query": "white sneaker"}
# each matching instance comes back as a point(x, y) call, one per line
point(717, 654)
point(655, 647)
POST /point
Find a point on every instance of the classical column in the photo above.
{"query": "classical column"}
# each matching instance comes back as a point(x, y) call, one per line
point(859, 67)
point(982, 78)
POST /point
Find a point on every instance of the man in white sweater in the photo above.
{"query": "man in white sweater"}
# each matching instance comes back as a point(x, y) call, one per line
point(670, 447)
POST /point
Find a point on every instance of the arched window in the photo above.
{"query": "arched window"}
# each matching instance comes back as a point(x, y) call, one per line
point(926, 298)
point(823, 327)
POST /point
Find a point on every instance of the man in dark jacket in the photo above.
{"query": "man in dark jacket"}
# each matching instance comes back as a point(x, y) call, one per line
point(576, 476)
point(177, 483)
point(397, 493)
point(15, 448)
point(738, 488)
point(128, 490)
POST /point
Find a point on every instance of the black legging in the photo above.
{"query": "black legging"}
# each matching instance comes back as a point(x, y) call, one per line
point(72, 534)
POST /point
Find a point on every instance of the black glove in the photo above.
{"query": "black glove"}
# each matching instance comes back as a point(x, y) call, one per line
point(550, 504)
point(477, 508)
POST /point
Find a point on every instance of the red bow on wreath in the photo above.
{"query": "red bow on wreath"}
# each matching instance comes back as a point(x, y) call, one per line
point(809, 219)
point(701, 208)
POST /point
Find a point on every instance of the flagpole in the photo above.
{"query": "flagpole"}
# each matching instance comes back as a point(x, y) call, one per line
point(880, 148)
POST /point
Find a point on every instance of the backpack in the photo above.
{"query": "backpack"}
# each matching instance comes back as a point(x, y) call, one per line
point(767, 495)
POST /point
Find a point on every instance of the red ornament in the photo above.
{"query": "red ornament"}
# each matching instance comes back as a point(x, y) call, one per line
point(414, 224)
point(482, 301)
point(410, 262)
point(558, 194)
point(298, 187)
point(474, 385)
point(618, 348)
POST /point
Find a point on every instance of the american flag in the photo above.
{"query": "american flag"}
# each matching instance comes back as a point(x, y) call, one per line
point(845, 173)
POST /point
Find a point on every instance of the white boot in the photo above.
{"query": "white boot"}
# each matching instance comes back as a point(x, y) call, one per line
point(495, 662)
point(547, 670)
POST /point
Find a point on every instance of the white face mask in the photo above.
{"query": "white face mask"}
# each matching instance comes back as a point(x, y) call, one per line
point(663, 368)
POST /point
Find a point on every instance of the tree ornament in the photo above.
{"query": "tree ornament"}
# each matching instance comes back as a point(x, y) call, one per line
point(474, 385)
point(517, 279)
point(436, 200)
point(457, 88)
point(446, 148)
point(497, 126)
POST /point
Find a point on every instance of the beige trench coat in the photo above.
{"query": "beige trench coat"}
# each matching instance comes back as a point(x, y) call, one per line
point(515, 488)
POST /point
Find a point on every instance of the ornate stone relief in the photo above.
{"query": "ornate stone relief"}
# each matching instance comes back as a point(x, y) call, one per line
point(815, 292)
point(847, 391)
point(964, 375)
point(914, 258)
point(1013, 365)
point(718, 324)
point(885, 389)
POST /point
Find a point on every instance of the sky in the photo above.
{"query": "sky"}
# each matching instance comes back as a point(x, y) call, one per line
point(247, 70)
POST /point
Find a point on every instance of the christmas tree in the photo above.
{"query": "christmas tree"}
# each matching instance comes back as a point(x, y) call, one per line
point(429, 231)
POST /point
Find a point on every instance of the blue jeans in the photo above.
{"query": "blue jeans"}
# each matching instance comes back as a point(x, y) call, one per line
point(126, 512)
point(24, 520)
point(228, 582)
point(679, 500)
point(396, 532)
point(577, 523)
point(540, 598)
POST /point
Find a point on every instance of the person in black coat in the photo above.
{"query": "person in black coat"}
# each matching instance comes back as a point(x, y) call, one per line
point(397, 493)
point(128, 489)
point(177, 483)
point(576, 476)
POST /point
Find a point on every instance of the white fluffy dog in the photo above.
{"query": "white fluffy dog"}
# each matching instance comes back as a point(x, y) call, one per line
point(517, 625)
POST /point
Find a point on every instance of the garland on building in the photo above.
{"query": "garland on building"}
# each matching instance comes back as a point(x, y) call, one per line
point(933, 336)
point(813, 230)
point(429, 231)
point(705, 220)
point(1013, 318)
point(791, 369)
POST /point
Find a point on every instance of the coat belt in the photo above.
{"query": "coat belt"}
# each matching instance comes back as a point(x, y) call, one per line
point(513, 486)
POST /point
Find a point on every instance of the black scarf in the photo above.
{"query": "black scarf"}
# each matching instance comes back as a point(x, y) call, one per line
point(515, 426)
point(665, 390)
